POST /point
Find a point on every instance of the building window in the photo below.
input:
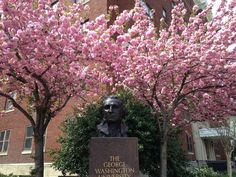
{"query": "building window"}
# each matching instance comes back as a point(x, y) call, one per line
point(8, 103)
point(28, 138)
point(44, 141)
point(164, 14)
point(189, 143)
point(172, 5)
point(148, 9)
point(80, 1)
point(4, 141)
point(1, 14)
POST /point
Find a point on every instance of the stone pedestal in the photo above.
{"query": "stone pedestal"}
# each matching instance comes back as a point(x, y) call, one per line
point(114, 157)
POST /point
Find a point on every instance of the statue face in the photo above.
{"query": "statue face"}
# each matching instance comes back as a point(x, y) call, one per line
point(112, 109)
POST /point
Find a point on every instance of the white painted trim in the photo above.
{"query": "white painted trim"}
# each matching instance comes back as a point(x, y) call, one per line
point(45, 163)
point(24, 169)
point(86, 1)
point(3, 153)
point(191, 153)
point(26, 152)
point(7, 111)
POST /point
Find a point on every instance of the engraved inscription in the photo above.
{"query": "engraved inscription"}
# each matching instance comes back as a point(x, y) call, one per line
point(114, 168)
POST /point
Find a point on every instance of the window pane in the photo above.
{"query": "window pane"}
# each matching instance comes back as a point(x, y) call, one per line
point(5, 146)
point(8, 105)
point(189, 143)
point(7, 135)
point(147, 8)
point(13, 94)
point(172, 4)
point(164, 13)
point(1, 143)
point(29, 131)
point(2, 135)
point(28, 143)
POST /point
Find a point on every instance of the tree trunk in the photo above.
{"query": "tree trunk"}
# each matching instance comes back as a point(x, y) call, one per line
point(39, 155)
point(163, 155)
point(229, 165)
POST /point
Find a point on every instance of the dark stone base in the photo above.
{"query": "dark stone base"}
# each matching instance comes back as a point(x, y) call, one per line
point(114, 157)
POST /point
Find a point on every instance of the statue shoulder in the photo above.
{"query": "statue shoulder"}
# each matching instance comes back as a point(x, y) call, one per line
point(101, 125)
point(124, 129)
point(103, 128)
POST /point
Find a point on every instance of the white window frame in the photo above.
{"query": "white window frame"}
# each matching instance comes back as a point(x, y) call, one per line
point(164, 13)
point(149, 11)
point(4, 141)
point(189, 143)
point(80, 1)
point(1, 14)
point(44, 138)
point(27, 150)
point(8, 104)
point(173, 4)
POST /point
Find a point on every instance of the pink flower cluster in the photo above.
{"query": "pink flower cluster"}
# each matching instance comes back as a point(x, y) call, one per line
point(189, 67)
point(186, 67)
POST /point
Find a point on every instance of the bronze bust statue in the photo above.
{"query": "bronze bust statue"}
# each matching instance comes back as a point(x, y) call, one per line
point(113, 112)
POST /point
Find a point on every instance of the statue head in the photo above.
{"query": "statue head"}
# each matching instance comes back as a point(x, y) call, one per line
point(113, 109)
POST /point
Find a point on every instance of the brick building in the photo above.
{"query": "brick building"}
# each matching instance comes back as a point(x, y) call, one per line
point(16, 138)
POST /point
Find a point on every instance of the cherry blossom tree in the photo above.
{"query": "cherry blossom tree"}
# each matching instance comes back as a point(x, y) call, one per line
point(186, 69)
point(227, 135)
point(39, 46)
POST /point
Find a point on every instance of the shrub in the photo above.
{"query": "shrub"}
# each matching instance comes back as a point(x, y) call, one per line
point(203, 172)
point(10, 175)
point(73, 157)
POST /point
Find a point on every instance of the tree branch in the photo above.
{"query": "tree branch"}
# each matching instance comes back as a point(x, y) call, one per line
point(54, 3)
point(152, 107)
point(201, 77)
point(159, 103)
point(18, 78)
point(183, 82)
point(203, 89)
point(62, 106)
point(53, 113)
point(176, 101)
point(49, 67)
point(21, 109)
point(36, 92)
point(44, 83)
